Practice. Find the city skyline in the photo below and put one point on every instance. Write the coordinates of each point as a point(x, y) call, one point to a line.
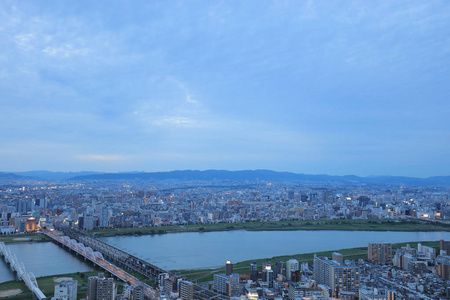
point(305, 87)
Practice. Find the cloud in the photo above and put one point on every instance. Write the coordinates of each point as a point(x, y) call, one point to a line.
point(189, 99)
point(177, 121)
point(101, 157)
point(293, 80)
point(65, 51)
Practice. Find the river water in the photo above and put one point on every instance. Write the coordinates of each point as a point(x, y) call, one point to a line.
point(209, 249)
point(43, 259)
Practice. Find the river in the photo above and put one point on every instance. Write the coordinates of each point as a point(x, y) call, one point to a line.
point(209, 249)
point(43, 259)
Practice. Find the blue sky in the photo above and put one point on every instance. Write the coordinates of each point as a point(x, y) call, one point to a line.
point(336, 87)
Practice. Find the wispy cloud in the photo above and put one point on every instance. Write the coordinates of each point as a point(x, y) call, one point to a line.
point(65, 51)
point(292, 81)
point(178, 121)
point(101, 157)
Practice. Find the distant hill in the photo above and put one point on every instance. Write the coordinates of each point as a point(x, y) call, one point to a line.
point(47, 175)
point(12, 177)
point(266, 175)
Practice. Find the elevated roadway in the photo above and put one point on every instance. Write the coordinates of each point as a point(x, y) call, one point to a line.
point(97, 258)
point(115, 261)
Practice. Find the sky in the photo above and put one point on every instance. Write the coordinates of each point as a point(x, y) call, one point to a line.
point(316, 87)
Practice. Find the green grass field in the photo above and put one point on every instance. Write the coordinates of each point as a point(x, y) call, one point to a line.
point(202, 275)
point(24, 238)
point(47, 285)
point(354, 225)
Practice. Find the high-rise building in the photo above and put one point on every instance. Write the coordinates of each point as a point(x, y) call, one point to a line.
point(233, 286)
point(328, 196)
point(278, 268)
point(220, 283)
point(291, 266)
point(170, 285)
point(101, 288)
point(445, 246)
point(380, 253)
point(391, 295)
point(186, 290)
point(338, 257)
point(66, 290)
point(337, 277)
point(270, 278)
point(137, 293)
point(105, 289)
point(227, 285)
point(161, 278)
point(253, 271)
point(268, 274)
point(228, 268)
point(428, 252)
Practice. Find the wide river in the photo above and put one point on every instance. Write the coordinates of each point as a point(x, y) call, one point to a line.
point(209, 249)
point(200, 250)
point(43, 259)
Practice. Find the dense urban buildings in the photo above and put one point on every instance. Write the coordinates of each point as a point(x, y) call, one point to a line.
point(387, 273)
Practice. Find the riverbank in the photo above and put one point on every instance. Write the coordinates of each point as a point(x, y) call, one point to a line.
point(353, 225)
point(24, 238)
point(203, 275)
point(18, 290)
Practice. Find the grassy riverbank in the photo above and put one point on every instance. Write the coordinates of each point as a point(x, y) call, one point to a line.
point(354, 225)
point(47, 285)
point(24, 238)
point(202, 275)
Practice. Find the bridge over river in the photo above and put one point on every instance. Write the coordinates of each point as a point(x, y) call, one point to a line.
point(115, 261)
point(19, 268)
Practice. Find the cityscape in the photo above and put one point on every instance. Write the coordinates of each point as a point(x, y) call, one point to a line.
point(224, 150)
point(78, 214)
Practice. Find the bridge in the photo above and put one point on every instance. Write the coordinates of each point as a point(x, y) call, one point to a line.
point(19, 268)
point(102, 253)
point(119, 257)
point(97, 258)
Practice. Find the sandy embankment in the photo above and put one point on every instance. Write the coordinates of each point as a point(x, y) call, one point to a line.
point(11, 292)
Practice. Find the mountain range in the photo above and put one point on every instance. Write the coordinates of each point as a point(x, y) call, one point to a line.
point(210, 175)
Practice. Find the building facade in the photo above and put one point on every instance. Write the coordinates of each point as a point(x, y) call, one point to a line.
point(380, 253)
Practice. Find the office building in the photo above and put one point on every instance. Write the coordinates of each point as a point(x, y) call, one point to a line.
point(253, 271)
point(278, 268)
point(291, 266)
point(380, 253)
